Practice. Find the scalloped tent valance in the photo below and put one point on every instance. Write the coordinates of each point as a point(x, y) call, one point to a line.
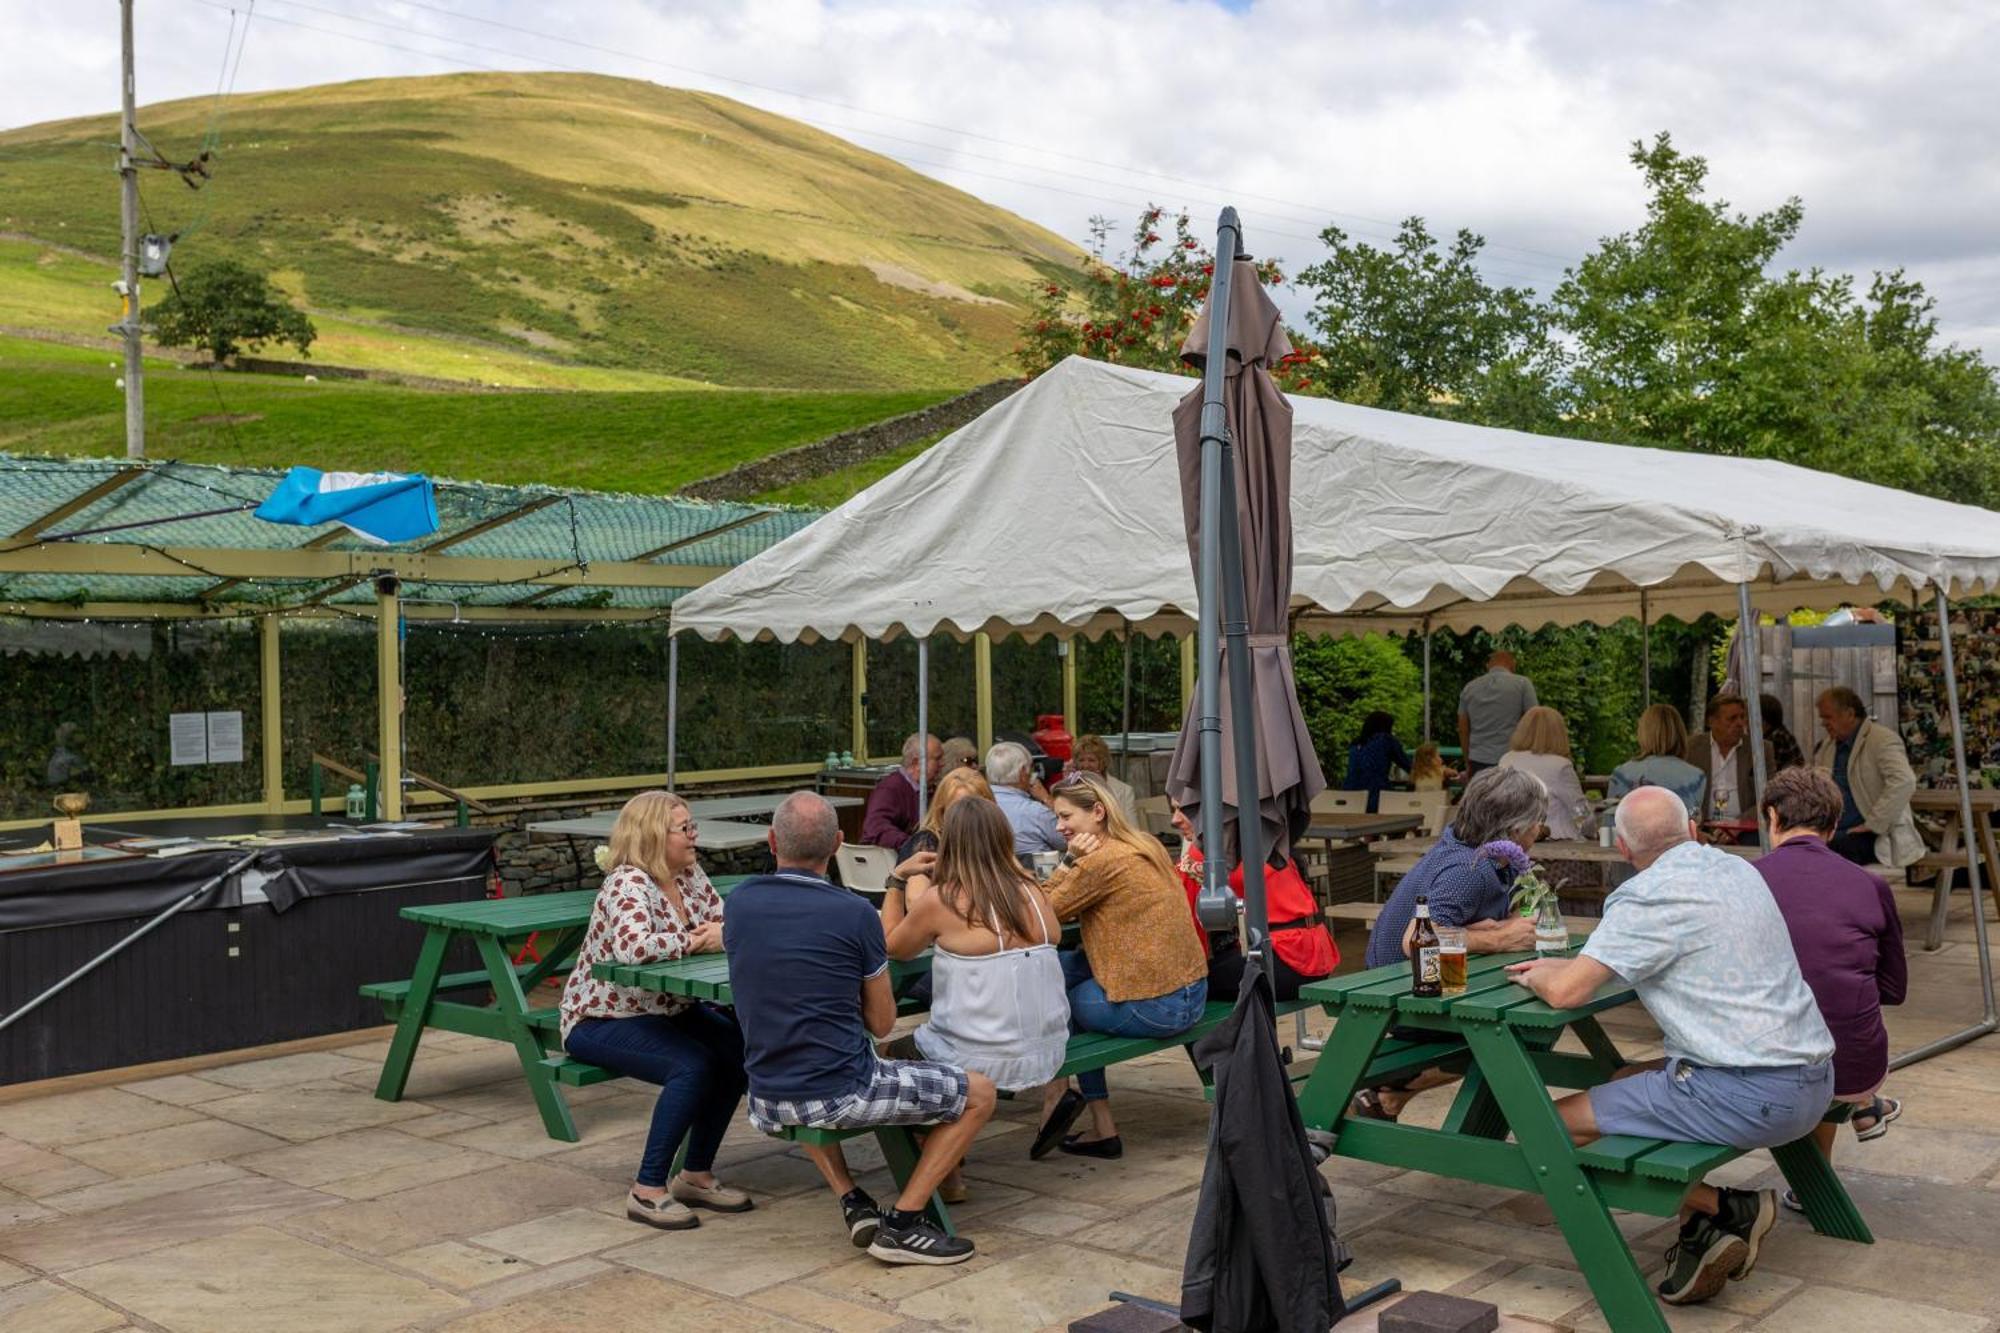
point(1058, 512)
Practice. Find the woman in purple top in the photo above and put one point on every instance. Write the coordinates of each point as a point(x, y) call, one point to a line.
point(1847, 935)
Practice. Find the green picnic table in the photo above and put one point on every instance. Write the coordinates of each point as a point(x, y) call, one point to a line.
point(498, 928)
point(1504, 1039)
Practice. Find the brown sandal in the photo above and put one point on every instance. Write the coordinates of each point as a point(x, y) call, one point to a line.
point(1367, 1105)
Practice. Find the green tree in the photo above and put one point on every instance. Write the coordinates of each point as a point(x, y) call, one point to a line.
point(227, 307)
point(1417, 328)
point(1342, 681)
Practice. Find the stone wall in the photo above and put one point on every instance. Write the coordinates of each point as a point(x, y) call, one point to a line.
point(835, 452)
point(554, 866)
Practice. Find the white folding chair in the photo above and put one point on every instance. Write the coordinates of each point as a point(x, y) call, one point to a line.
point(1340, 802)
point(1430, 804)
point(864, 866)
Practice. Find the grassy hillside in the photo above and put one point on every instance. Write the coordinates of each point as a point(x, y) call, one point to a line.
point(57, 399)
point(514, 221)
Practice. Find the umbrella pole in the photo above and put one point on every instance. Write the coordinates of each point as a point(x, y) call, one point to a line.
point(1750, 642)
point(1215, 906)
point(923, 728)
point(1975, 874)
point(673, 701)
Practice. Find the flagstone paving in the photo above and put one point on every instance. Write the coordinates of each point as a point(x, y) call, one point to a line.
point(278, 1193)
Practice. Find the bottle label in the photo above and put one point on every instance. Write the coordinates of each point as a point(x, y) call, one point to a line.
point(1428, 967)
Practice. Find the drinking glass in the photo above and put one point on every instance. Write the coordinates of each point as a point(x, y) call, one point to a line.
point(1451, 958)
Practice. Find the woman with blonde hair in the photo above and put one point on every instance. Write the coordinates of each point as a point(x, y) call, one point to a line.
point(1662, 761)
point(656, 905)
point(955, 785)
point(1540, 745)
point(1140, 973)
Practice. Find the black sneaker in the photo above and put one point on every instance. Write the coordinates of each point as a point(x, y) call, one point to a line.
point(1749, 1216)
point(1700, 1262)
point(918, 1241)
point(862, 1217)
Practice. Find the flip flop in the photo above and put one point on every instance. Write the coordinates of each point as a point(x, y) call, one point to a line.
point(1367, 1105)
point(1881, 1111)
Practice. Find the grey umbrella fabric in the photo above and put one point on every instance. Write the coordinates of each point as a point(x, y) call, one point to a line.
point(1260, 428)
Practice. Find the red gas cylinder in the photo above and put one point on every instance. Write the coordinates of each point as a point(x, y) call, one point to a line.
point(1052, 736)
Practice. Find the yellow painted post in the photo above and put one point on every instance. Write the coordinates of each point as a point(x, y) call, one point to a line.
point(389, 696)
point(982, 689)
point(860, 675)
point(1187, 673)
point(1071, 649)
point(273, 747)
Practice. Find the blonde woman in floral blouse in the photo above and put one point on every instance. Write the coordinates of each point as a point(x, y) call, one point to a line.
point(656, 905)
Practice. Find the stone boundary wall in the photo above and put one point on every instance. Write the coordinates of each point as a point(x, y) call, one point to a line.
point(835, 452)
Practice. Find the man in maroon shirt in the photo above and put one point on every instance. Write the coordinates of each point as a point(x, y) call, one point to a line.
point(891, 816)
point(1848, 938)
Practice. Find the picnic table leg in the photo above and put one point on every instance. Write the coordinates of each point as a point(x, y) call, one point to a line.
point(511, 1002)
point(1594, 1238)
point(1599, 1044)
point(554, 956)
point(1337, 1074)
point(1827, 1206)
point(1474, 1110)
point(901, 1149)
point(416, 1012)
point(1941, 896)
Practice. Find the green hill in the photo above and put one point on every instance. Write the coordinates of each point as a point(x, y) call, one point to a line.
point(499, 225)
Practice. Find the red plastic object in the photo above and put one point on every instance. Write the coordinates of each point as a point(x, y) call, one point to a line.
point(1052, 736)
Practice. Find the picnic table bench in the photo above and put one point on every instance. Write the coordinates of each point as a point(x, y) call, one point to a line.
point(707, 977)
point(543, 929)
point(1503, 1128)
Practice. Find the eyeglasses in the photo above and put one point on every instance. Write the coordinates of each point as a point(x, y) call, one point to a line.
point(685, 830)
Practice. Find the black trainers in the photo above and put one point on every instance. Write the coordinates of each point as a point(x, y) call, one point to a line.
point(862, 1217)
point(1700, 1262)
point(914, 1239)
point(1749, 1216)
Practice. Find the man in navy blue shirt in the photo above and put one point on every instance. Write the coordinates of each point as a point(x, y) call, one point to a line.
point(810, 974)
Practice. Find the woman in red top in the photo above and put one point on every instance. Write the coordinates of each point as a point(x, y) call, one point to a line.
point(1302, 948)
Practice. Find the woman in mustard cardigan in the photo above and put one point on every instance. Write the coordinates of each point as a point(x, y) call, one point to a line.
point(1140, 972)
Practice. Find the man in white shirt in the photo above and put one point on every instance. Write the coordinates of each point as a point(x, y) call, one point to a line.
point(1721, 755)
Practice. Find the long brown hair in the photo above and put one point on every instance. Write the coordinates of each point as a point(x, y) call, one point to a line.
point(639, 836)
point(953, 787)
point(1084, 791)
point(978, 873)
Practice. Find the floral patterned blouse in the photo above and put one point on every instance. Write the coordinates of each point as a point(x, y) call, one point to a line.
point(634, 922)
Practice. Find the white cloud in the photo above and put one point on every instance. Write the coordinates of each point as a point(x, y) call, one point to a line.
point(1513, 121)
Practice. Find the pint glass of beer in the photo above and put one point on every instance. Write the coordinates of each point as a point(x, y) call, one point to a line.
point(1451, 958)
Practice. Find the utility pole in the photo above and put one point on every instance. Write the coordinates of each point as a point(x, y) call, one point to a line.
point(128, 173)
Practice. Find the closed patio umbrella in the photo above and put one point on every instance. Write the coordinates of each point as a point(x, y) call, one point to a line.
point(1255, 536)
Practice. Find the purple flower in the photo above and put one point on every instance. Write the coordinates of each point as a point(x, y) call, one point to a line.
point(1506, 853)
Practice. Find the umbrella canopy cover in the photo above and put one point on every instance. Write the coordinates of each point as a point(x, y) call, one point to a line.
point(1260, 427)
point(1262, 1253)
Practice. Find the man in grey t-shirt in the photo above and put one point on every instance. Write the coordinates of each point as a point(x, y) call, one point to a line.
point(1488, 708)
point(1749, 1060)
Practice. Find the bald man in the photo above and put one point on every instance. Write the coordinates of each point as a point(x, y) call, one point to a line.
point(1748, 1058)
point(1489, 707)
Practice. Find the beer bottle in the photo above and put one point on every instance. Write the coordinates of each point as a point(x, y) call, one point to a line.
point(1426, 969)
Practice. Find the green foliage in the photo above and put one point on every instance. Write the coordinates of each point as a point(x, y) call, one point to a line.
point(1342, 681)
point(836, 488)
point(64, 401)
point(1417, 328)
point(227, 307)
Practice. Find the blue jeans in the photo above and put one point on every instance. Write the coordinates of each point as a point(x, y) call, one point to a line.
point(1090, 1010)
point(696, 1058)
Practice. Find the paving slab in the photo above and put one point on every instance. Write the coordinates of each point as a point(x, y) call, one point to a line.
point(1956, 1278)
point(451, 1209)
point(573, 1232)
point(738, 1253)
point(45, 1307)
point(257, 1279)
point(180, 1089)
point(78, 1117)
point(120, 1193)
point(359, 1152)
point(455, 1264)
point(287, 1071)
point(1535, 1291)
point(1043, 1285)
point(818, 1310)
point(312, 1110)
point(152, 1150)
point(625, 1302)
point(33, 1172)
point(60, 1244)
point(1817, 1309)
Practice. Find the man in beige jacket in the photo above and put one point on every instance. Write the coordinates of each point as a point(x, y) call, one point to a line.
point(1872, 769)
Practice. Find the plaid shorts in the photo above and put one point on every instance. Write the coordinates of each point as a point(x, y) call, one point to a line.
point(901, 1092)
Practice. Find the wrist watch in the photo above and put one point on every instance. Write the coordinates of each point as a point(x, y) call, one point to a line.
point(895, 882)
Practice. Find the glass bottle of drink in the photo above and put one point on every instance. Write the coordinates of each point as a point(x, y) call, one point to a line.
point(1551, 934)
point(1426, 968)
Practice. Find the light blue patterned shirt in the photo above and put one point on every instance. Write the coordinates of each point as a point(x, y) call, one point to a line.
point(1699, 936)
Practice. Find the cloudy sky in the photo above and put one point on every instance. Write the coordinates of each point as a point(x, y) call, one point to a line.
point(1513, 120)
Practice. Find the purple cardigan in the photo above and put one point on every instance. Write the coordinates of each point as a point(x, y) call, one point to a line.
point(891, 815)
point(1849, 942)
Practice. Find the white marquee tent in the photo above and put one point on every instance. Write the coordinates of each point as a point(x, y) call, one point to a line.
point(1059, 511)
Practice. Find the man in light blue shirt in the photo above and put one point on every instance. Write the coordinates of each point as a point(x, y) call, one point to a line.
point(1489, 708)
point(1010, 772)
point(1749, 1061)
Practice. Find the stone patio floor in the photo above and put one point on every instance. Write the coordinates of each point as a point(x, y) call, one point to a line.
point(277, 1193)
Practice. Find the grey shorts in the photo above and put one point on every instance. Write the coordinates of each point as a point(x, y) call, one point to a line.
point(901, 1092)
point(1743, 1108)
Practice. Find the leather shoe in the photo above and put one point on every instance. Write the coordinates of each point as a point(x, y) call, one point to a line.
point(1109, 1149)
point(1068, 1107)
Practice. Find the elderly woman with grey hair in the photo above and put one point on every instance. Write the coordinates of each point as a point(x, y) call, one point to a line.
point(1467, 879)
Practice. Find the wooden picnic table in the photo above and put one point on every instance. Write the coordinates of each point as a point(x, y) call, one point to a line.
point(1503, 1128)
point(521, 942)
point(1952, 852)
